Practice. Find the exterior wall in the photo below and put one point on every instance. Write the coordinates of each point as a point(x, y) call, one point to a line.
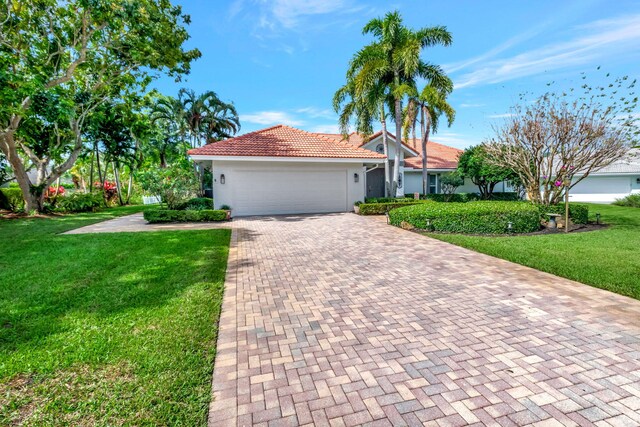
point(603, 189)
point(308, 187)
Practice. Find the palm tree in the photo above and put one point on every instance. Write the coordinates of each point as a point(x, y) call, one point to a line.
point(364, 111)
point(170, 114)
point(426, 108)
point(393, 60)
point(207, 117)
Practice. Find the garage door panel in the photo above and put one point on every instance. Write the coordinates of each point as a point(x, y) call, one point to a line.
point(290, 191)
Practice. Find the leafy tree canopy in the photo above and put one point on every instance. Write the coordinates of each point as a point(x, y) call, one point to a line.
point(474, 164)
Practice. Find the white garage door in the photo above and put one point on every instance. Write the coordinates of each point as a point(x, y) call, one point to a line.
point(289, 191)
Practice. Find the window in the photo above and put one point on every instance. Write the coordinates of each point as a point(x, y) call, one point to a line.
point(433, 183)
point(380, 148)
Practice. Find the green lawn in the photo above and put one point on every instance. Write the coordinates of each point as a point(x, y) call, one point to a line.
point(607, 258)
point(107, 329)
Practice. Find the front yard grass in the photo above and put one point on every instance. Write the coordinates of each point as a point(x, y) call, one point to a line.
point(107, 329)
point(606, 258)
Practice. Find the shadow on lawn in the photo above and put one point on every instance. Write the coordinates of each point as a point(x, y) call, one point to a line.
point(74, 278)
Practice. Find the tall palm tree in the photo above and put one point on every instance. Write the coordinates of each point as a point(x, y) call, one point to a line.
point(364, 111)
point(170, 114)
point(207, 117)
point(393, 60)
point(426, 108)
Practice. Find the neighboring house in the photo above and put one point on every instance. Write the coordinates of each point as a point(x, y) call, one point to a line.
point(615, 181)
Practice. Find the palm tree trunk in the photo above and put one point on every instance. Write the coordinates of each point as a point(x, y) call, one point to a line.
point(426, 127)
point(385, 145)
point(396, 164)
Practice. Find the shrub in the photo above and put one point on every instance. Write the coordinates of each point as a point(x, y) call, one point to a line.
point(408, 198)
point(482, 217)
point(506, 196)
point(456, 197)
point(11, 199)
point(632, 201)
point(80, 202)
point(578, 213)
point(383, 208)
point(166, 215)
point(175, 184)
point(196, 204)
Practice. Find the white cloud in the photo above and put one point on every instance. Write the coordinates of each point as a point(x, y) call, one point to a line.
point(328, 128)
point(453, 140)
point(591, 43)
point(500, 116)
point(315, 112)
point(471, 105)
point(291, 14)
point(271, 118)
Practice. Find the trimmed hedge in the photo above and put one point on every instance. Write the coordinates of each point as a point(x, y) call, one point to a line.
point(196, 204)
point(578, 213)
point(11, 199)
point(154, 216)
point(383, 208)
point(468, 197)
point(482, 217)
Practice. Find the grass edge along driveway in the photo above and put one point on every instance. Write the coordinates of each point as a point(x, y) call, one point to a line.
point(606, 259)
point(107, 329)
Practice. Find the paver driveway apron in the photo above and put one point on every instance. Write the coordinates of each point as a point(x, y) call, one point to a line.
point(343, 320)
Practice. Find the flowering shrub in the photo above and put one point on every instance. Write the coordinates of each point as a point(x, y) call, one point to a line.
point(109, 189)
point(54, 192)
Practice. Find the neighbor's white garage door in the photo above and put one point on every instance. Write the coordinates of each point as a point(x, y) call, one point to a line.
point(290, 191)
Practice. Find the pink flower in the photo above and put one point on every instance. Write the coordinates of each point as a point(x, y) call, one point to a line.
point(558, 183)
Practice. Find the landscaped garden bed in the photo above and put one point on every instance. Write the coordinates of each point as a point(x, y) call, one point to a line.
point(154, 216)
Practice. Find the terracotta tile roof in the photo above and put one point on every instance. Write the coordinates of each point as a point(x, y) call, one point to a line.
point(285, 141)
point(438, 156)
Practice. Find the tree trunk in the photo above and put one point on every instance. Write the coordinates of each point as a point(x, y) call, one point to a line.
point(426, 128)
point(98, 166)
point(385, 145)
point(116, 175)
point(396, 190)
point(93, 155)
point(130, 185)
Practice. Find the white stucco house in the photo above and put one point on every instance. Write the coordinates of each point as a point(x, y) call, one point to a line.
point(610, 183)
point(284, 170)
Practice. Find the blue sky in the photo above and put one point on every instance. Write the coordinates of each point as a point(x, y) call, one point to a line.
point(280, 61)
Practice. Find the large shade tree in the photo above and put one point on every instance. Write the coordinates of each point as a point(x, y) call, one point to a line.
point(60, 60)
point(394, 60)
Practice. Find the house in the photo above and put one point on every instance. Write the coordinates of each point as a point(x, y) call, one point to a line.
point(612, 182)
point(284, 170)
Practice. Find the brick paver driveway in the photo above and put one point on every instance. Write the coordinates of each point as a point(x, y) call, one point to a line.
point(343, 320)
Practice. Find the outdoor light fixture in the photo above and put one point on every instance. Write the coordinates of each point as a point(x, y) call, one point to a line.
point(597, 218)
point(510, 226)
point(356, 177)
point(222, 179)
point(638, 181)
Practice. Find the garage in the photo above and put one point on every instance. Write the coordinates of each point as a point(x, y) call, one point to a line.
point(283, 170)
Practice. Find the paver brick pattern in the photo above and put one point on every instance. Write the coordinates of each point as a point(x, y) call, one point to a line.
point(341, 320)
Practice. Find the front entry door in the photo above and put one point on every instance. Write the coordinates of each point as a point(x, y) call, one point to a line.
point(375, 183)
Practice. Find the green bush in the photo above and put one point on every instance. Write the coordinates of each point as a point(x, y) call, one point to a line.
point(195, 204)
point(506, 197)
point(455, 197)
point(632, 201)
point(408, 198)
point(482, 217)
point(79, 202)
point(11, 199)
point(383, 208)
point(578, 213)
point(166, 215)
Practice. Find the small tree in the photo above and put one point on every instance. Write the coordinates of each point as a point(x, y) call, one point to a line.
point(561, 138)
point(174, 184)
point(474, 164)
point(450, 182)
